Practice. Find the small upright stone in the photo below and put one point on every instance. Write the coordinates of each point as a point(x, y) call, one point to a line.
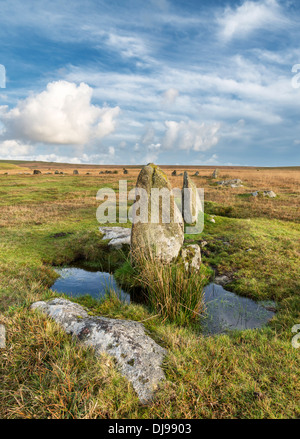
point(75, 172)
point(215, 173)
point(174, 173)
point(191, 257)
point(36, 172)
point(159, 234)
point(196, 174)
point(191, 203)
point(125, 171)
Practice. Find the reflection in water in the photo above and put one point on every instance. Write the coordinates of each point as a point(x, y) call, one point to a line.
point(226, 310)
point(78, 282)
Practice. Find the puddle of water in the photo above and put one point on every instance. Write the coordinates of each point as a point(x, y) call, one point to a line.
point(226, 311)
point(78, 282)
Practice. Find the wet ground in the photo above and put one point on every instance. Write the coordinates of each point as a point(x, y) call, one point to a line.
point(224, 309)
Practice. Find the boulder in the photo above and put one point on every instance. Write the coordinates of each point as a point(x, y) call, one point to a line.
point(174, 173)
point(162, 239)
point(191, 257)
point(191, 202)
point(137, 355)
point(125, 171)
point(75, 172)
point(221, 280)
point(269, 194)
point(117, 235)
point(36, 172)
point(236, 182)
point(56, 172)
point(196, 174)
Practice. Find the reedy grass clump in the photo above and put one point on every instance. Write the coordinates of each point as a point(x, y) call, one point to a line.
point(171, 291)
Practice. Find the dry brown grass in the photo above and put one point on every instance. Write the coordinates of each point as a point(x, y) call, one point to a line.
point(285, 182)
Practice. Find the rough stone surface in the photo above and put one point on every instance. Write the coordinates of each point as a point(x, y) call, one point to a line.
point(269, 194)
point(137, 355)
point(36, 171)
point(236, 182)
point(221, 280)
point(191, 256)
point(163, 239)
point(174, 173)
point(196, 174)
point(117, 235)
point(75, 172)
point(2, 337)
point(191, 202)
point(215, 173)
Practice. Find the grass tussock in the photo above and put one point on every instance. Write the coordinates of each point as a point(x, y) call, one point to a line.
point(171, 291)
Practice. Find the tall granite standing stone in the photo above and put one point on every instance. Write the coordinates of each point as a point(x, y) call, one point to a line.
point(215, 173)
point(191, 202)
point(161, 235)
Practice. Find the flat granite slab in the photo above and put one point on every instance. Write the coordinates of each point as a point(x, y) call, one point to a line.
point(138, 356)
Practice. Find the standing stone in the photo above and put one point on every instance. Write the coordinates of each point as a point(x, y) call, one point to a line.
point(191, 203)
point(164, 238)
point(125, 171)
point(196, 174)
point(215, 173)
point(75, 172)
point(174, 173)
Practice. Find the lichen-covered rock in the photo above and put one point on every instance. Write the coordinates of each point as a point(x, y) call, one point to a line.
point(236, 182)
point(137, 355)
point(162, 239)
point(269, 194)
point(191, 202)
point(117, 235)
point(215, 173)
point(191, 257)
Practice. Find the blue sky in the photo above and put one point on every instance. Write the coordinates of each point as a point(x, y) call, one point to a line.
point(168, 81)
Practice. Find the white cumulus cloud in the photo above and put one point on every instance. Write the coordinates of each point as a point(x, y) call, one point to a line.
point(61, 114)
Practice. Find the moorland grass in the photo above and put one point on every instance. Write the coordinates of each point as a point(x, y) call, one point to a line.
point(243, 374)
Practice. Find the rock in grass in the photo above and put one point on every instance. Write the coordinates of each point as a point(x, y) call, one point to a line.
point(191, 257)
point(269, 194)
point(75, 172)
point(215, 174)
point(236, 182)
point(36, 172)
point(2, 337)
point(117, 235)
point(138, 356)
point(163, 238)
point(191, 202)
